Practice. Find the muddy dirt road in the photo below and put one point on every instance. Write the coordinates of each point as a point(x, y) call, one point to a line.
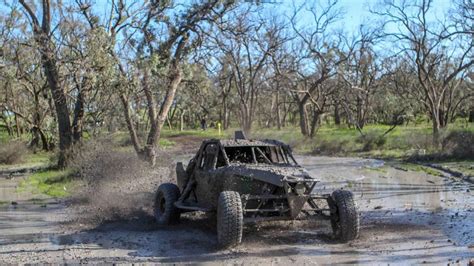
point(406, 217)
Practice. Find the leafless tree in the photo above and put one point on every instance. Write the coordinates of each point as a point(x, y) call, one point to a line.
point(321, 50)
point(439, 52)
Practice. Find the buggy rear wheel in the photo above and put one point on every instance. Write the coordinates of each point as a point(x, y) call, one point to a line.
point(345, 222)
point(165, 211)
point(229, 219)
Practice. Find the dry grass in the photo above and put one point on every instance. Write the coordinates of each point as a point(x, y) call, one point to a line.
point(12, 152)
point(459, 144)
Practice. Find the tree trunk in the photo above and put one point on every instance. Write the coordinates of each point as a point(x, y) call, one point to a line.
point(155, 130)
point(17, 125)
point(60, 103)
point(181, 118)
point(44, 140)
point(42, 34)
point(278, 114)
point(303, 119)
point(130, 126)
point(436, 133)
point(337, 116)
point(314, 122)
point(77, 123)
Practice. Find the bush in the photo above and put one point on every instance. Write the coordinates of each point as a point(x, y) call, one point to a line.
point(333, 147)
point(459, 144)
point(12, 152)
point(371, 141)
point(418, 140)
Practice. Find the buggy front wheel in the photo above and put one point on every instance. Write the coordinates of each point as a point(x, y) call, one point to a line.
point(345, 221)
point(229, 219)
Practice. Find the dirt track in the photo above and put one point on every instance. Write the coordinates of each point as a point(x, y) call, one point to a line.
point(407, 217)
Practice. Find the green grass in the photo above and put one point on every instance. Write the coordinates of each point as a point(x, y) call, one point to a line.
point(419, 168)
point(382, 170)
point(402, 142)
point(54, 183)
point(466, 167)
point(166, 143)
point(209, 133)
point(4, 136)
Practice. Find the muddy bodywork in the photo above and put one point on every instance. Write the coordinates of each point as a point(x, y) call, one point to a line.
point(264, 172)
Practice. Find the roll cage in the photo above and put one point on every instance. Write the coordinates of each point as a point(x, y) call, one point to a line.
point(213, 154)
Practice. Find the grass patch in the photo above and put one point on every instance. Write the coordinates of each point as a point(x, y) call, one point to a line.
point(465, 167)
point(54, 183)
point(382, 170)
point(209, 133)
point(419, 168)
point(2, 202)
point(403, 142)
point(166, 143)
point(31, 160)
point(4, 137)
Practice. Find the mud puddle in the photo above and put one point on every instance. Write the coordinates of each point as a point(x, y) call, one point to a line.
point(407, 217)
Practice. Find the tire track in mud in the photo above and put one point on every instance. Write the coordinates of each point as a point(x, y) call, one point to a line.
point(406, 217)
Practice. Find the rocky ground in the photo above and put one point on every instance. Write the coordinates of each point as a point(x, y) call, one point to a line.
point(407, 217)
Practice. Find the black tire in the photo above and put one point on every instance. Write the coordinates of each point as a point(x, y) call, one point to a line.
point(345, 222)
point(165, 211)
point(230, 219)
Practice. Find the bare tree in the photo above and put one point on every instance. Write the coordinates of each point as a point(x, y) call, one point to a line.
point(440, 53)
point(360, 73)
point(321, 52)
point(248, 45)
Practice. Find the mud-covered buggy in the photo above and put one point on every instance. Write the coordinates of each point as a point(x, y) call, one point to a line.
point(250, 181)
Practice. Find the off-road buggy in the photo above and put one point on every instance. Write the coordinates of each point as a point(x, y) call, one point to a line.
point(249, 181)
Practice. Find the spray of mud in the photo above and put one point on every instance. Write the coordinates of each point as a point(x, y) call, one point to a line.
point(116, 185)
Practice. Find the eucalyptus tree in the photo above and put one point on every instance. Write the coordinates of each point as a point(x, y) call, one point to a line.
point(321, 52)
point(160, 36)
point(440, 52)
point(361, 75)
point(40, 19)
point(246, 42)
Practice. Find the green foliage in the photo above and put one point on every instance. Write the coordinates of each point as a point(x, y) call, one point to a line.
point(3, 136)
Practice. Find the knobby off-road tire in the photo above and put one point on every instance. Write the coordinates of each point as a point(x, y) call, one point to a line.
point(345, 223)
point(229, 219)
point(165, 211)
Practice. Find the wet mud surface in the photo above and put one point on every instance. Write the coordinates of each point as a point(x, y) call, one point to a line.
point(406, 217)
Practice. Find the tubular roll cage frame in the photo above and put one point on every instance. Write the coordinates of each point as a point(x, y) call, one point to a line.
point(285, 212)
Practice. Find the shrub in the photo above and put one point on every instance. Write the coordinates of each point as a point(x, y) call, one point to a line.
point(459, 144)
point(332, 147)
point(371, 141)
point(12, 152)
point(419, 141)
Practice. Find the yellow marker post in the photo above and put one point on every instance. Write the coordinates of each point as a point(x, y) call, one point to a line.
point(219, 127)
